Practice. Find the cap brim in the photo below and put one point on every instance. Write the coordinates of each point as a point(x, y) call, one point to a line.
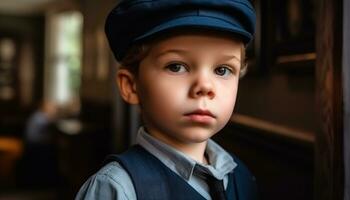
point(205, 22)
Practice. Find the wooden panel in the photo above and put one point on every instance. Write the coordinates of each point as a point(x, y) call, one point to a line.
point(329, 145)
point(346, 84)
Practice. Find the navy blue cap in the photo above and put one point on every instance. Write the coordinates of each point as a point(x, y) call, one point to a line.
point(132, 21)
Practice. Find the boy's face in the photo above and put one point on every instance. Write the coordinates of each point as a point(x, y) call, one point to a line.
point(187, 86)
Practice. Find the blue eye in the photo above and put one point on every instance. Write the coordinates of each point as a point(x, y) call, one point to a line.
point(176, 67)
point(223, 71)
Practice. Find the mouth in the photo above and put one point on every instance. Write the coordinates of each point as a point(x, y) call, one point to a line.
point(201, 113)
point(200, 116)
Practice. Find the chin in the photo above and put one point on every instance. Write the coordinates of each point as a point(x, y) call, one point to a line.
point(198, 135)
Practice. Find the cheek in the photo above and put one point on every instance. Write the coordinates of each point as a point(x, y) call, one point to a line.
point(227, 98)
point(163, 95)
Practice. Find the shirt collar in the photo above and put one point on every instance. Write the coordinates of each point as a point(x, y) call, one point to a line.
point(221, 163)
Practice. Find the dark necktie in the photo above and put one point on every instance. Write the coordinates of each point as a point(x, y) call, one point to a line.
point(216, 187)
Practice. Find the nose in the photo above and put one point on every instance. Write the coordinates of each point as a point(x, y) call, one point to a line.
point(203, 86)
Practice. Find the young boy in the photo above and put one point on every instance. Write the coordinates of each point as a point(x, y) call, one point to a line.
point(180, 62)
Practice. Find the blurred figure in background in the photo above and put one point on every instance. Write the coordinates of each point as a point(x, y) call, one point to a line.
point(38, 126)
point(38, 166)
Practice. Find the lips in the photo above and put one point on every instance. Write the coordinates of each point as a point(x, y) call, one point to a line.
point(200, 116)
point(201, 113)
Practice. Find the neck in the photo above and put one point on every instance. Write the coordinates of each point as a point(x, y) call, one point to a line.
point(193, 150)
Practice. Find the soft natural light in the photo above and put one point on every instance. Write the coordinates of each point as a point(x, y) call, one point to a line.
point(65, 57)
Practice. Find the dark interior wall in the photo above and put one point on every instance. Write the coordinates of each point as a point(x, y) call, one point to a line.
point(29, 29)
point(96, 75)
point(280, 84)
point(25, 74)
point(96, 86)
point(97, 64)
point(99, 96)
point(24, 30)
point(282, 98)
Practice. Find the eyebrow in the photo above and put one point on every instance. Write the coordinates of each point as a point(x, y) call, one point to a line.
point(225, 57)
point(178, 51)
point(230, 57)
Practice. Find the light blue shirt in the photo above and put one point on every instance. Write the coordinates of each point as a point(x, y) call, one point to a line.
point(113, 182)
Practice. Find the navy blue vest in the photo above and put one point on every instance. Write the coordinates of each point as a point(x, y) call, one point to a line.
point(155, 181)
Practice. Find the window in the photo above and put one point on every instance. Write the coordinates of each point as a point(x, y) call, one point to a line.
point(63, 64)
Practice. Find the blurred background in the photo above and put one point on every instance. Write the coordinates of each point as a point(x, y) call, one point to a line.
point(60, 112)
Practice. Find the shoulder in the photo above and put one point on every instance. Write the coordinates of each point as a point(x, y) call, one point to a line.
point(246, 181)
point(110, 182)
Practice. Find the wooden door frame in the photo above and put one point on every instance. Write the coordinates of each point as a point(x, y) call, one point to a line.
point(346, 82)
point(329, 151)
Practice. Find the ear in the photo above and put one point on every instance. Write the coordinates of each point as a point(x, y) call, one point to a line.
point(127, 86)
